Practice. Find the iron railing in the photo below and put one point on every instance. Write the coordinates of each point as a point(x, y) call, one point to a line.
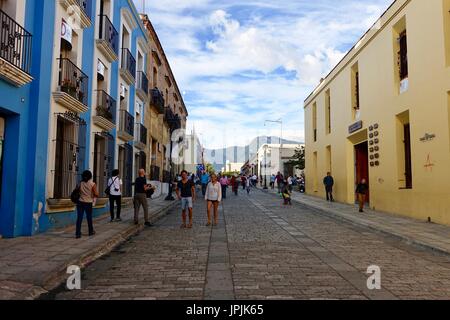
point(109, 33)
point(73, 81)
point(67, 168)
point(126, 122)
point(106, 106)
point(154, 173)
point(158, 100)
point(141, 134)
point(142, 82)
point(172, 119)
point(15, 43)
point(128, 62)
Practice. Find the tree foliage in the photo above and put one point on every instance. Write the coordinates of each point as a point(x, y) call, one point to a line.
point(298, 159)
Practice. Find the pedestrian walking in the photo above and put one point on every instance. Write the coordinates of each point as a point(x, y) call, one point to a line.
point(243, 180)
point(115, 195)
point(279, 181)
point(186, 193)
point(328, 181)
point(235, 185)
point(272, 181)
point(140, 197)
point(248, 185)
point(88, 197)
point(290, 183)
point(361, 191)
point(286, 194)
point(205, 180)
point(213, 197)
point(224, 184)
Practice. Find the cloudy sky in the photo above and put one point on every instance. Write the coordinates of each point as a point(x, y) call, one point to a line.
point(240, 63)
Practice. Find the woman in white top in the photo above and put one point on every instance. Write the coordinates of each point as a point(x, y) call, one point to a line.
point(115, 194)
point(213, 196)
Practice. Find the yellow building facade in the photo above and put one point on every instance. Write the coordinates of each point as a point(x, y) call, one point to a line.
point(383, 114)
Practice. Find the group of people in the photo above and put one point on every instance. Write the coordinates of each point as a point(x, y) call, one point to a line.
point(186, 193)
point(88, 195)
point(361, 191)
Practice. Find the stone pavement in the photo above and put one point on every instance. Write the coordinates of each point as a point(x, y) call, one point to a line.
point(31, 266)
point(428, 235)
point(262, 250)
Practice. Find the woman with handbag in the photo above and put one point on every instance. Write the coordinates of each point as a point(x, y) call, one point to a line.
point(114, 192)
point(88, 195)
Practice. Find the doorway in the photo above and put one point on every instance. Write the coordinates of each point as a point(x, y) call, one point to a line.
point(362, 165)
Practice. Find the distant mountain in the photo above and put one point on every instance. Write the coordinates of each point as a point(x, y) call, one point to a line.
point(238, 154)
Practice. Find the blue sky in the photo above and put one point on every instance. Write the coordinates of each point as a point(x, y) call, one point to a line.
point(240, 63)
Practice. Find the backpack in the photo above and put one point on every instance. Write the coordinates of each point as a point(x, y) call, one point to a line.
point(76, 194)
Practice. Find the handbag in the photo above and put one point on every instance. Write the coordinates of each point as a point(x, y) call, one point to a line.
point(150, 192)
point(108, 190)
point(76, 194)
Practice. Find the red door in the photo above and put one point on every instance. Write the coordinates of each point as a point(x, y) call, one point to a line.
point(362, 164)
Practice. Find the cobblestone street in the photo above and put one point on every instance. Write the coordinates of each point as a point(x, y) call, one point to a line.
point(262, 250)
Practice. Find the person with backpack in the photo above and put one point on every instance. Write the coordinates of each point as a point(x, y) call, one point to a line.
point(114, 192)
point(286, 194)
point(88, 194)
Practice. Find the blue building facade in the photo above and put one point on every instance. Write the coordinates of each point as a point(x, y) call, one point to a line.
point(73, 92)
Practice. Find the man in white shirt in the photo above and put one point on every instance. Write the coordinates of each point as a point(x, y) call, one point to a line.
point(290, 183)
point(115, 195)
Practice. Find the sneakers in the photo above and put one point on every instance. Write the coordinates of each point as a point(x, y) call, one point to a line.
point(118, 220)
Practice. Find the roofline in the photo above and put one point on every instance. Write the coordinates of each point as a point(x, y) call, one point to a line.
point(151, 29)
point(352, 52)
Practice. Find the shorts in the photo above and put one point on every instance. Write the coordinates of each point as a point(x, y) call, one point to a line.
point(186, 203)
point(214, 201)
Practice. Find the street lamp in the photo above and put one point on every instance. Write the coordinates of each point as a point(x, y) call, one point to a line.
point(265, 167)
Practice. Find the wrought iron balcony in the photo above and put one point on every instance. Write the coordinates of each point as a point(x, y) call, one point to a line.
point(172, 119)
point(105, 111)
point(15, 49)
point(73, 83)
point(126, 125)
point(128, 66)
point(108, 38)
point(158, 100)
point(142, 85)
point(140, 136)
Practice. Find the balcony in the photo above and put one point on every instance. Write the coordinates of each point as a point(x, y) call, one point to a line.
point(142, 86)
point(15, 52)
point(105, 116)
point(126, 126)
point(140, 141)
point(128, 67)
point(155, 173)
point(108, 40)
point(172, 119)
point(157, 100)
point(72, 91)
point(80, 11)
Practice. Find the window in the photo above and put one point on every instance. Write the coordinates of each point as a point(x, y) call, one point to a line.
point(401, 53)
point(328, 159)
point(404, 151)
point(314, 120)
point(155, 78)
point(69, 155)
point(355, 92)
point(315, 173)
point(328, 111)
point(104, 146)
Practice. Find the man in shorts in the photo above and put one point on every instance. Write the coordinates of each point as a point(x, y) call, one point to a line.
point(186, 193)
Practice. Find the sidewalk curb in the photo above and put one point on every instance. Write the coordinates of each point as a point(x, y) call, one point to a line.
point(332, 213)
point(58, 276)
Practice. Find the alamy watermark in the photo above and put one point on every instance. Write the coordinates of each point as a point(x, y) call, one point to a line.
point(74, 280)
point(374, 280)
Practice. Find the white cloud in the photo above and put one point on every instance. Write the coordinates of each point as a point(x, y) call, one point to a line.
point(225, 54)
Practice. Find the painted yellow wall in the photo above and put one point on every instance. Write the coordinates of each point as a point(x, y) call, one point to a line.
point(427, 100)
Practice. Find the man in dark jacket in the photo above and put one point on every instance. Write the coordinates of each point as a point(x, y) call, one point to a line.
point(328, 181)
point(361, 191)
